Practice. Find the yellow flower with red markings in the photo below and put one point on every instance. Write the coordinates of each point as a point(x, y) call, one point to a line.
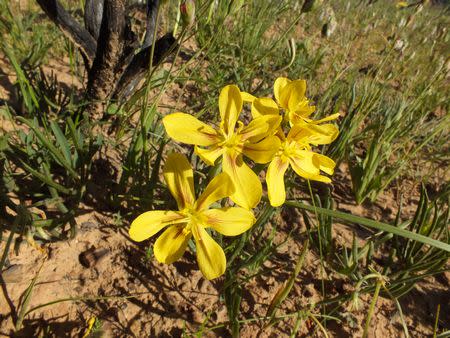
point(295, 151)
point(291, 97)
point(231, 140)
point(192, 219)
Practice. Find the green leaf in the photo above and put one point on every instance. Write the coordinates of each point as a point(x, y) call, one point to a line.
point(25, 87)
point(45, 179)
point(62, 140)
point(50, 147)
point(372, 224)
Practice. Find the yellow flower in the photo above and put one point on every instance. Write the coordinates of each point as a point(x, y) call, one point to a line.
point(295, 150)
point(231, 140)
point(192, 218)
point(401, 4)
point(290, 96)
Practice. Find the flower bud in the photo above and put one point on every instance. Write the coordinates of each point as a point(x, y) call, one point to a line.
point(187, 9)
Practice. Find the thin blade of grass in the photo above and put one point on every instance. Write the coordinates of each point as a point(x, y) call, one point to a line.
point(284, 292)
point(27, 299)
point(372, 224)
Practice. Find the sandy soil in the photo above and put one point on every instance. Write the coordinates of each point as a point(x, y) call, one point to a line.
point(134, 296)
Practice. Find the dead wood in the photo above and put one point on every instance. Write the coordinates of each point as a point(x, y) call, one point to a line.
point(137, 68)
point(111, 43)
point(70, 27)
point(93, 13)
point(152, 11)
point(109, 46)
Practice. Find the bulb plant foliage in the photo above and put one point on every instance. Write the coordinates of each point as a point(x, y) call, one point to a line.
point(280, 134)
point(386, 68)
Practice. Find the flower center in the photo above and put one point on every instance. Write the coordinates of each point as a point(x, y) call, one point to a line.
point(192, 217)
point(287, 149)
point(233, 140)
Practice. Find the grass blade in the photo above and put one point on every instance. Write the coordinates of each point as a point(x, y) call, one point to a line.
point(372, 224)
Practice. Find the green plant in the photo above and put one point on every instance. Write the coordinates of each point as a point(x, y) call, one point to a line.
point(384, 70)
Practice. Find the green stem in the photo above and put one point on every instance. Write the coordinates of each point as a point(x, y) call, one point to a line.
point(372, 308)
point(322, 268)
point(8, 242)
point(436, 321)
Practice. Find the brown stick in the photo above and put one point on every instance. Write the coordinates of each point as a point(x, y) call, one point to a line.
point(152, 11)
point(139, 65)
point(70, 27)
point(93, 12)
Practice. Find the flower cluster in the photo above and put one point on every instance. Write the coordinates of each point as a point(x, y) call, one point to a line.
point(263, 140)
point(280, 134)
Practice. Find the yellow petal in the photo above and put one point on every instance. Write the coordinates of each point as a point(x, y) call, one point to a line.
point(325, 119)
point(220, 187)
point(230, 106)
point(322, 134)
point(326, 164)
point(210, 256)
point(315, 134)
point(307, 165)
point(306, 161)
point(151, 222)
point(278, 88)
point(180, 179)
point(301, 112)
point(171, 245)
point(264, 106)
point(247, 97)
point(210, 155)
point(260, 127)
point(299, 132)
point(188, 129)
point(296, 91)
point(263, 151)
point(229, 221)
point(280, 134)
point(248, 189)
point(275, 181)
